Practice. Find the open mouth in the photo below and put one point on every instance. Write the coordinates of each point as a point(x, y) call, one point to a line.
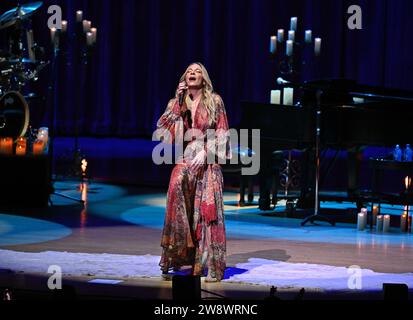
point(192, 78)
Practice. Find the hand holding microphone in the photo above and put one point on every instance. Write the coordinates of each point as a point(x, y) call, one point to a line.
point(182, 88)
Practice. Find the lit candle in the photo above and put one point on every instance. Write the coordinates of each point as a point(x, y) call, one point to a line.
point(288, 96)
point(64, 26)
point(275, 96)
point(403, 222)
point(289, 48)
point(291, 35)
point(375, 213)
point(365, 215)
point(89, 39)
point(386, 223)
point(21, 146)
point(86, 26)
point(379, 223)
point(94, 33)
point(280, 35)
point(407, 182)
point(79, 16)
point(273, 44)
point(53, 36)
point(308, 36)
point(360, 222)
point(293, 23)
point(6, 146)
point(38, 147)
point(317, 46)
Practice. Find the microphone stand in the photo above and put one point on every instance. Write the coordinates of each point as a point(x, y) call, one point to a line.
point(319, 92)
point(316, 216)
point(54, 102)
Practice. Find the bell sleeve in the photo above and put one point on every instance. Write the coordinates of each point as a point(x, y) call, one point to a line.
point(170, 127)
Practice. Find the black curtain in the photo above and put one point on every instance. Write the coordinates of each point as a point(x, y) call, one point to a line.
point(144, 46)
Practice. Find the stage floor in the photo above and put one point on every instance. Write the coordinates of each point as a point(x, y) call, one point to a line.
point(125, 224)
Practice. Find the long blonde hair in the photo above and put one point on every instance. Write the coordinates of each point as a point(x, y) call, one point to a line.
point(207, 92)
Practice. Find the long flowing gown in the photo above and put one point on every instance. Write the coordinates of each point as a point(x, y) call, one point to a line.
point(194, 229)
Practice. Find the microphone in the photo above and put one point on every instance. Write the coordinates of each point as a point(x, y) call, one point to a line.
point(181, 97)
point(282, 82)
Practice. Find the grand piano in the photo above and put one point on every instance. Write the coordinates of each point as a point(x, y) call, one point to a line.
point(381, 117)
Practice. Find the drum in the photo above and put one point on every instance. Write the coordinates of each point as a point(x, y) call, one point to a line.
point(14, 115)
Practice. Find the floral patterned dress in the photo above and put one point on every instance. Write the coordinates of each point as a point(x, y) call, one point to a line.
point(194, 230)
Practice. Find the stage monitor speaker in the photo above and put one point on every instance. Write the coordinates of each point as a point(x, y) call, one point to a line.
point(395, 291)
point(187, 288)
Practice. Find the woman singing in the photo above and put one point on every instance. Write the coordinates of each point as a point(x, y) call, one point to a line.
point(194, 230)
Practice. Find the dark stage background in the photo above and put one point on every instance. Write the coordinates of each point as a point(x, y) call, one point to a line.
point(144, 46)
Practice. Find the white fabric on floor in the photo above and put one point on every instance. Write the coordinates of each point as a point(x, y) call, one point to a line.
point(256, 271)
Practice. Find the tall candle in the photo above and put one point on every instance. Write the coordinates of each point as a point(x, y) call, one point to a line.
point(360, 222)
point(54, 36)
point(64, 26)
point(275, 96)
point(6, 146)
point(79, 16)
point(288, 96)
point(375, 213)
point(280, 35)
point(291, 35)
point(379, 223)
point(317, 46)
point(308, 36)
point(386, 223)
point(293, 23)
point(403, 222)
point(273, 44)
point(289, 48)
point(86, 26)
point(89, 39)
point(94, 33)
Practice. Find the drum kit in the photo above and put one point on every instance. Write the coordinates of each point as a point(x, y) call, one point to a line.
point(20, 63)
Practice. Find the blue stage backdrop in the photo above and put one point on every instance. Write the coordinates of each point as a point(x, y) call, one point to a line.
point(144, 46)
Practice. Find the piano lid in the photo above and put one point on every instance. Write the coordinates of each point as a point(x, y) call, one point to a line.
point(342, 92)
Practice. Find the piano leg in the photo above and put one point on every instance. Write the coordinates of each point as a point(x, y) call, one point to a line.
point(306, 199)
point(353, 166)
point(265, 181)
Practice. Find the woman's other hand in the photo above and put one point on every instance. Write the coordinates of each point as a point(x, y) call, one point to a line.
point(199, 161)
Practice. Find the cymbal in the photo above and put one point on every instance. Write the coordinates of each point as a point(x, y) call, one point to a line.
point(22, 12)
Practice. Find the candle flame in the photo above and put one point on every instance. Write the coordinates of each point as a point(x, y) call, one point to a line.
point(407, 182)
point(84, 166)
